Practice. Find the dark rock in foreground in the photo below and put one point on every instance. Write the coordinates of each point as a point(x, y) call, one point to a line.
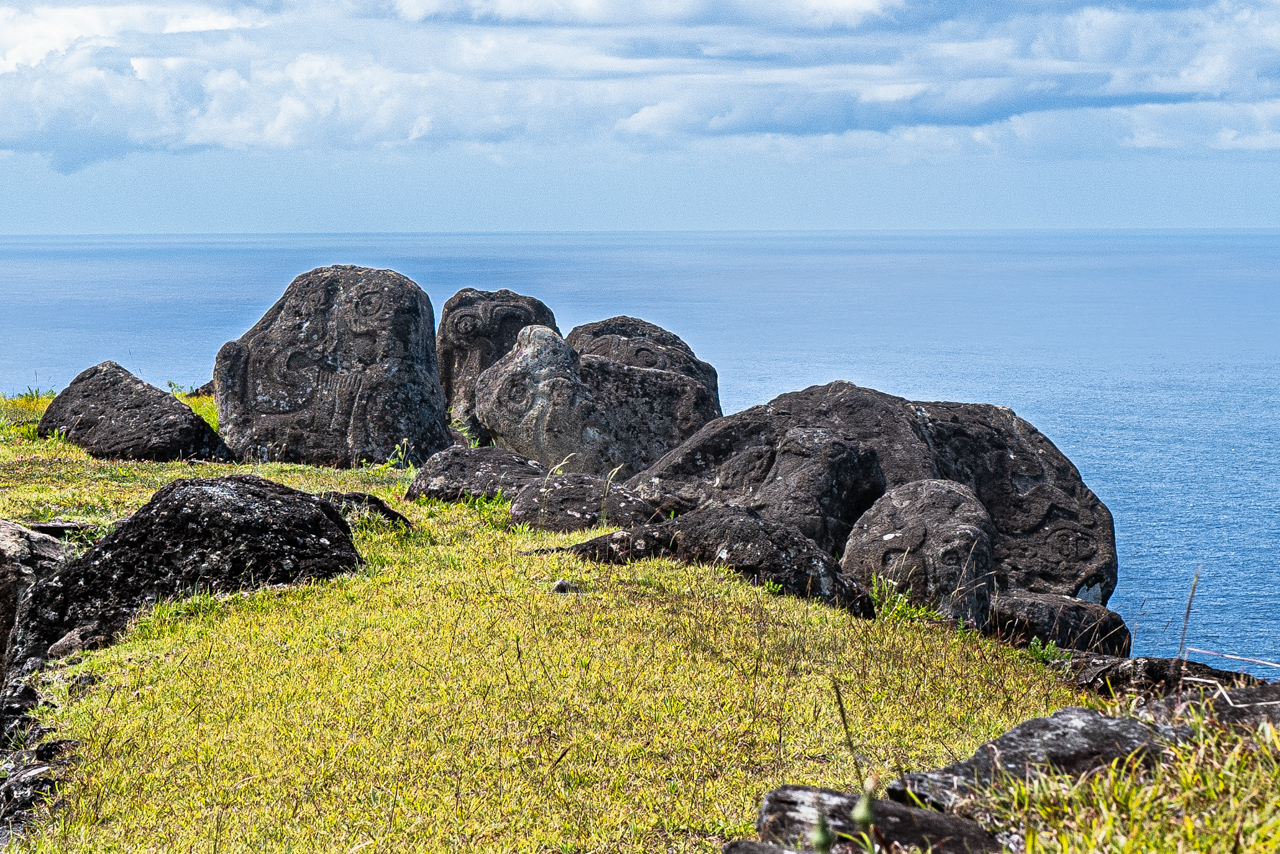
point(1073, 741)
point(364, 502)
point(576, 502)
point(635, 342)
point(763, 551)
point(458, 472)
point(1113, 676)
point(25, 557)
point(1052, 534)
point(198, 535)
point(341, 370)
point(1240, 708)
point(477, 328)
point(1019, 617)
point(114, 415)
point(586, 414)
point(932, 540)
point(789, 815)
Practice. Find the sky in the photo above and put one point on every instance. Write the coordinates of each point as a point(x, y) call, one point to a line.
point(512, 115)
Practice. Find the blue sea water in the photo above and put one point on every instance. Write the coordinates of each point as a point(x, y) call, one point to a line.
point(1151, 359)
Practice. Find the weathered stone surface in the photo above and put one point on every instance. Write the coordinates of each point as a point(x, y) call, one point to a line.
point(761, 550)
point(30, 778)
point(640, 344)
point(114, 415)
point(477, 328)
point(1113, 676)
point(748, 846)
point(574, 502)
point(341, 370)
point(458, 472)
point(932, 540)
point(205, 390)
point(348, 502)
point(789, 815)
point(586, 414)
point(1073, 741)
point(25, 557)
point(202, 534)
point(1052, 534)
point(1240, 708)
point(1018, 617)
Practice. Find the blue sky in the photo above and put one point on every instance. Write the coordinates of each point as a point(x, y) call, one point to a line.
point(410, 115)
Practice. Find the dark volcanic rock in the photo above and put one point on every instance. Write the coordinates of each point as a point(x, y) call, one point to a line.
point(932, 540)
point(1072, 741)
point(459, 471)
point(1241, 708)
point(761, 550)
point(371, 504)
point(586, 414)
point(341, 370)
point(203, 534)
point(1018, 617)
point(477, 328)
point(30, 778)
point(114, 415)
point(205, 390)
point(1052, 534)
point(25, 557)
point(635, 342)
point(1113, 676)
point(789, 815)
point(574, 502)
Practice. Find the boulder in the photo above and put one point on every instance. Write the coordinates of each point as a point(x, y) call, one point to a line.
point(789, 816)
point(1238, 708)
point(459, 472)
point(25, 557)
point(477, 328)
point(363, 502)
point(634, 342)
point(576, 502)
point(1019, 617)
point(931, 539)
point(765, 552)
point(586, 414)
point(340, 371)
point(114, 415)
point(1051, 534)
point(1114, 676)
point(197, 535)
point(1071, 741)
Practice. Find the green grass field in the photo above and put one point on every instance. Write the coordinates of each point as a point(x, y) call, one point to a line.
point(443, 699)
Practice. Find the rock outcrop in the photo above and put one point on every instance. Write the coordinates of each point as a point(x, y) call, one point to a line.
point(1238, 708)
point(764, 552)
point(1020, 617)
point(576, 502)
point(341, 370)
point(931, 539)
point(1114, 676)
point(202, 534)
point(25, 557)
point(477, 328)
point(586, 414)
point(114, 415)
point(459, 472)
point(640, 344)
point(1051, 534)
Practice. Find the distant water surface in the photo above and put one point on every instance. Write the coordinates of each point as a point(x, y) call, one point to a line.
point(1151, 359)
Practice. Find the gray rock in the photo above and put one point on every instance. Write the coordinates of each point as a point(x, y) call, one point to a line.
point(341, 370)
point(1019, 617)
point(574, 502)
point(764, 552)
point(932, 540)
point(1238, 708)
point(25, 557)
point(114, 415)
point(197, 535)
point(30, 779)
point(1071, 741)
point(789, 815)
point(477, 328)
point(586, 414)
point(459, 472)
point(640, 344)
point(748, 846)
point(1113, 676)
point(1052, 534)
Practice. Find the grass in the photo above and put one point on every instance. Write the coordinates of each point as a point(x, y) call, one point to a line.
point(442, 699)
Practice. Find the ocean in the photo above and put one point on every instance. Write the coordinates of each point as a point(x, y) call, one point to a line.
point(1152, 359)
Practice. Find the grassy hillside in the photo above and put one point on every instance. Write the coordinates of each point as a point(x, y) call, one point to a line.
point(443, 699)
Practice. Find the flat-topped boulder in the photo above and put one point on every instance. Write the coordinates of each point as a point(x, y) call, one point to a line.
point(576, 502)
point(477, 328)
point(586, 414)
point(1020, 617)
point(641, 344)
point(340, 371)
point(114, 415)
point(1051, 533)
point(460, 472)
